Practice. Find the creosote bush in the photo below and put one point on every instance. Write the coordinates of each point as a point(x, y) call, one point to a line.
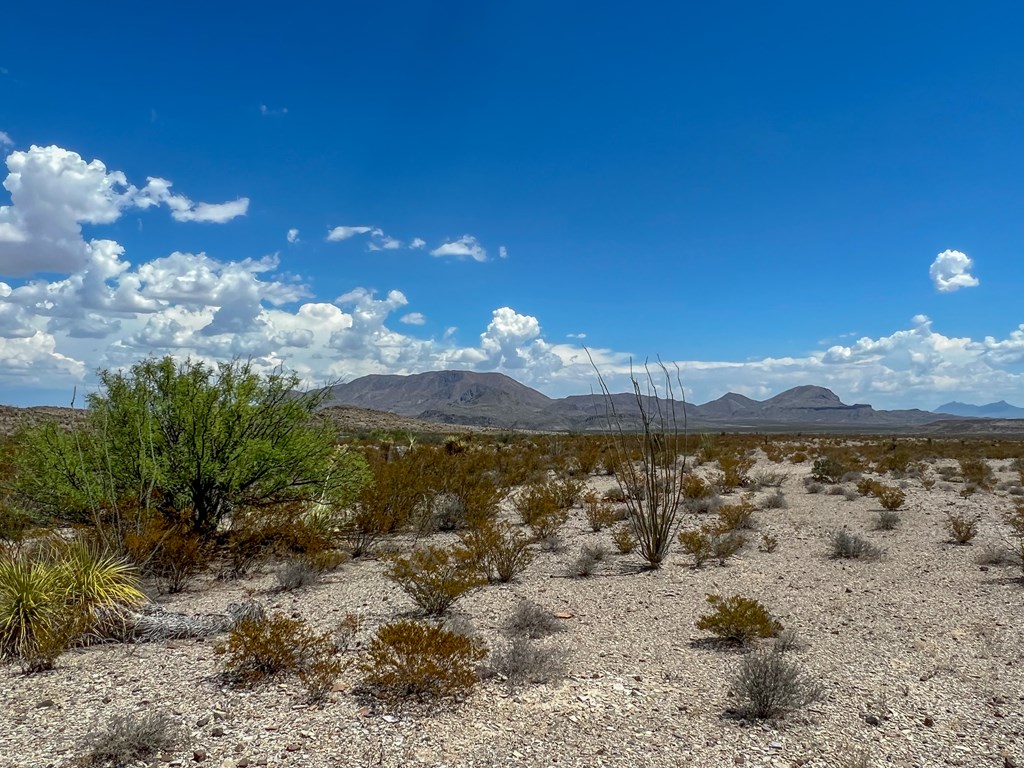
point(890, 496)
point(711, 542)
point(738, 619)
point(421, 660)
point(600, 514)
point(131, 738)
point(624, 540)
point(435, 578)
point(738, 516)
point(767, 685)
point(849, 546)
point(259, 649)
point(962, 528)
point(498, 550)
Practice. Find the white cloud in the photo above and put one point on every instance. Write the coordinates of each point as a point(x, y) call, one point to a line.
point(502, 252)
point(344, 233)
point(575, 335)
point(413, 318)
point(54, 192)
point(417, 243)
point(268, 112)
point(382, 242)
point(951, 271)
point(466, 247)
point(6, 140)
point(293, 235)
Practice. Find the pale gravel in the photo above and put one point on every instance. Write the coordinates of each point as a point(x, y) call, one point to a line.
point(922, 633)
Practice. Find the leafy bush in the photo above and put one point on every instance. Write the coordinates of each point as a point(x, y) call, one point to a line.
point(711, 542)
point(414, 658)
point(827, 469)
point(890, 497)
point(695, 487)
point(813, 486)
point(738, 516)
point(624, 540)
point(599, 513)
point(769, 685)
point(192, 442)
point(733, 472)
point(962, 528)
point(738, 619)
point(768, 543)
point(525, 661)
point(50, 596)
point(976, 471)
point(531, 620)
point(868, 486)
point(259, 649)
point(435, 578)
point(132, 738)
point(498, 550)
point(171, 554)
point(850, 546)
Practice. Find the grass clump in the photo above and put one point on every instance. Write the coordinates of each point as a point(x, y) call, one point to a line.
point(888, 520)
point(738, 619)
point(417, 659)
point(435, 578)
point(532, 620)
point(849, 546)
point(585, 564)
point(775, 500)
point(131, 738)
point(769, 685)
point(526, 661)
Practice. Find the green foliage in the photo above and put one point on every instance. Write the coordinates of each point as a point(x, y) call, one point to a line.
point(193, 442)
point(827, 469)
point(976, 471)
point(733, 471)
point(600, 513)
point(435, 578)
point(418, 659)
point(50, 596)
point(623, 539)
point(260, 649)
point(738, 619)
point(738, 516)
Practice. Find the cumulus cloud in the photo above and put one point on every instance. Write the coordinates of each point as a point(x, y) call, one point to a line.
point(382, 242)
point(269, 112)
point(502, 252)
point(413, 318)
point(466, 247)
point(293, 235)
point(344, 233)
point(54, 192)
point(417, 243)
point(951, 271)
point(6, 140)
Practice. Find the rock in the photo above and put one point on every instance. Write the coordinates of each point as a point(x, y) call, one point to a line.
point(928, 721)
point(199, 755)
point(203, 721)
point(872, 719)
point(293, 747)
point(44, 703)
point(217, 731)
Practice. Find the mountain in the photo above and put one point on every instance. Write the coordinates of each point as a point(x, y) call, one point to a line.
point(1000, 410)
point(495, 400)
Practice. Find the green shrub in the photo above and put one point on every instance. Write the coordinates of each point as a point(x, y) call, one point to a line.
point(259, 649)
point(827, 469)
point(435, 578)
point(976, 471)
point(413, 658)
point(738, 619)
point(738, 516)
point(710, 542)
point(624, 540)
point(599, 513)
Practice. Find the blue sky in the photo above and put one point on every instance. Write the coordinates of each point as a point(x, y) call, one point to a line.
point(769, 195)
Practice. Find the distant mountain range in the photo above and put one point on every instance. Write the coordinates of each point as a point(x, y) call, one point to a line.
point(495, 400)
point(1000, 410)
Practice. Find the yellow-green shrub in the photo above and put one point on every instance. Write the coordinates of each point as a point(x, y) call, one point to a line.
point(435, 578)
point(738, 619)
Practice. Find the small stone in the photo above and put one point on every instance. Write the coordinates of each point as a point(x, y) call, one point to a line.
point(776, 745)
point(293, 747)
point(199, 755)
point(228, 763)
point(928, 721)
point(217, 731)
point(44, 703)
point(983, 568)
point(203, 721)
point(871, 719)
point(219, 714)
point(739, 759)
point(565, 615)
point(390, 719)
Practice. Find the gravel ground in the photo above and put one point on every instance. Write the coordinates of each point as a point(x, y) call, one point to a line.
point(921, 654)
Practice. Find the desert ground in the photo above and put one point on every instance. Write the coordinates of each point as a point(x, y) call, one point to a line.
point(920, 656)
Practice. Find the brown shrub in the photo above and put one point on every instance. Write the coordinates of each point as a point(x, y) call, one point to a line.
point(498, 550)
point(623, 539)
point(962, 528)
point(890, 496)
point(435, 578)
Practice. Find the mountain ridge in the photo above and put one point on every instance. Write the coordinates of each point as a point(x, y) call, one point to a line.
point(998, 410)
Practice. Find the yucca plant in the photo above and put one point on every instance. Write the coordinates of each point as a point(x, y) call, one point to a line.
point(54, 594)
